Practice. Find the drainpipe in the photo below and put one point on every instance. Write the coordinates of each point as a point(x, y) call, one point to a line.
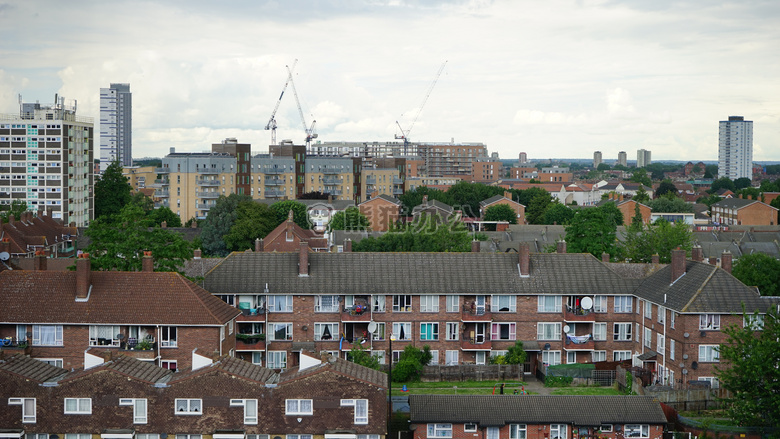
point(159, 354)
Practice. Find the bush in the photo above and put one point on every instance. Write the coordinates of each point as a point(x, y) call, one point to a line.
point(551, 381)
point(411, 363)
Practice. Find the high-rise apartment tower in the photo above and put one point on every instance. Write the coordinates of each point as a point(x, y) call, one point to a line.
point(622, 158)
point(735, 148)
point(116, 125)
point(642, 158)
point(596, 159)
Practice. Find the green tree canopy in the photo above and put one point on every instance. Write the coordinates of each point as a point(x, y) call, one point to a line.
point(536, 201)
point(559, 214)
point(364, 357)
point(749, 193)
point(748, 369)
point(410, 363)
point(413, 198)
point(710, 171)
point(709, 200)
point(349, 219)
point(253, 220)
point(218, 223)
point(117, 242)
point(742, 183)
point(16, 208)
point(722, 183)
point(603, 167)
point(670, 204)
point(759, 270)
point(468, 196)
point(426, 234)
point(165, 214)
point(641, 195)
point(640, 176)
point(642, 242)
point(300, 213)
point(593, 230)
point(666, 187)
point(500, 212)
point(112, 191)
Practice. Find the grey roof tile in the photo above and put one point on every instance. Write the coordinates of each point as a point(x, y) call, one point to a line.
point(30, 368)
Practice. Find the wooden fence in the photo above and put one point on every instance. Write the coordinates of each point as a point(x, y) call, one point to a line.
point(471, 372)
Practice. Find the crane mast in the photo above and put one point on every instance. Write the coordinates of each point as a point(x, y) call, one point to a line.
point(271, 125)
point(310, 134)
point(405, 134)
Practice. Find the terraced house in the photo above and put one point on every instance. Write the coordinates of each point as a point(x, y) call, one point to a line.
point(565, 308)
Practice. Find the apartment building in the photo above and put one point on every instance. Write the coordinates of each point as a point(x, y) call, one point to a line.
point(735, 148)
point(642, 158)
point(565, 308)
point(116, 125)
point(140, 177)
point(46, 160)
point(622, 159)
point(742, 211)
point(597, 159)
point(486, 170)
point(120, 397)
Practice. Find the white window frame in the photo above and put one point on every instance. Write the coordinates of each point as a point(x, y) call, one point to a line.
point(380, 331)
point(597, 356)
point(276, 360)
point(402, 303)
point(451, 357)
point(496, 303)
point(496, 327)
point(714, 382)
point(554, 361)
point(442, 430)
point(190, 406)
point(407, 331)
point(433, 333)
point(636, 430)
point(549, 304)
point(83, 406)
point(169, 337)
point(361, 409)
point(453, 331)
point(648, 338)
point(470, 427)
point(753, 321)
point(622, 304)
point(321, 303)
point(648, 309)
point(671, 349)
point(453, 303)
point(378, 303)
point(660, 344)
point(319, 329)
point(672, 319)
point(28, 405)
point(278, 326)
point(708, 353)
point(283, 302)
point(140, 409)
point(600, 304)
point(518, 431)
point(250, 409)
point(619, 333)
point(37, 339)
point(558, 431)
point(429, 303)
point(95, 333)
point(709, 322)
point(298, 407)
point(661, 314)
point(553, 333)
point(621, 355)
point(600, 331)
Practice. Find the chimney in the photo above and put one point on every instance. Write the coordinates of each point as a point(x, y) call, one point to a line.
point(508, 194)
point(725, 260)
point(303, 260)
point(330, 199)
point(40, 212)
point(347, 245)
point(605, 257)
point(697, 254)
point(48, 212)
point(39, 263)
point(5, 245)
point(83, 268)
point(425, 199)
point(524, 255)
point(475, 246)
point(106, 355)
point(11, 219)
point(678, 263)
point(196, 254)
point(259, 245)
point(713, 261)
point(621, 197)
point(560, 246)
point(164, 225)
point(194, 224)
point(655, 259)
point(147, 262)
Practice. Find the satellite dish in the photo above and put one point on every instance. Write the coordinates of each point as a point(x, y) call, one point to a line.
point(587, 303)
point(685, 356)
point(566, 329)
point(547, 346)
point(694, 365)
point(4, 256)
point(372, 326)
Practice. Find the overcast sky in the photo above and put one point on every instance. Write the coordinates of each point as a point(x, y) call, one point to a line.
point(551, 78)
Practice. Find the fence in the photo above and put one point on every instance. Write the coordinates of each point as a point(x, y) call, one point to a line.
point(471, 372)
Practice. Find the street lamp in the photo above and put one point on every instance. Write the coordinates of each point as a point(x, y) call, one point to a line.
point(390, 387)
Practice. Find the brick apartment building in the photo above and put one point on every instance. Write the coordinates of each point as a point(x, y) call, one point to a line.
point(565, 308)
point(744, 212)
point(225, 398)
point(158, 317)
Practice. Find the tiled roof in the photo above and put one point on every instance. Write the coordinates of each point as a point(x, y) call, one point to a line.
point(38, 231)
point(342, 367)
point(233, 366)
point(415, 273)
point(128, 366)
point(145, 298)
point(30, 368)
point(499, 410)
point(386, 198)
point(738, 203)
point(431, 204)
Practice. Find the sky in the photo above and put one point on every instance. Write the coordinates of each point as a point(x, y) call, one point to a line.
point(553, 78)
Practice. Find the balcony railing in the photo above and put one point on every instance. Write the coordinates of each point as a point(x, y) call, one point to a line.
point(272, 193)
point(328, 170)
point(397, 180)
point(578, 314)
point(357, 313)
point(162, 170)
point(371, 180)
point(476, 314)
point(162, 203)
point(579, 342)
point(207, 182)
point(162, 182)
point(331, 181)
point(162, 193)
point(273, 171)
point(475, 344)
point(334, 192)
point(202, 194)
point(398, 191)
point(274, 181)
point(208, 171)
point(204, 206)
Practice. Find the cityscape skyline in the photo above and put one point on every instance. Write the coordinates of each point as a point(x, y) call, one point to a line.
point(581, 77)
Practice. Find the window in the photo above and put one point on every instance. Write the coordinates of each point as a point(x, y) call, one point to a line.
point(402, 303)
point(648, 338)
point(672, 319)
point(139, 409)
point(378, 303)
point(671, 349)
point(600, 304)
point(709, 322)
point(492, 433)
point(549, 304)
point(621, 332)
point(188, 406)
point(78, 436)
point(661, 314)
point(379, 332)
point(503, 304)
point(429, 303)
point(139, 436)
point(469, 428)
point(439, 430)
point(453, 303)
point(660, 345)
point(280, 331)
point(648, 309)
point(597, 356)
point(168, 364)
point(326, 303)
point(517, 431)
point(557, 431)
point(548, 331)
point(402, 330)
point(277, 360)
point(605, 428)
point(503, 331)
point(429, 331)
point(636, 430)
point(621, 355)
point(551, 358)
point(250, 409)
point(714, 383)
point(709, 354)
point(188, 436)
point(361, 409)
point(451, 358)
point(434, 357)
point(28, 408)
point(452, 331)
point(623, 304)
point(325, 331)
point(78, 406)
point(168, 337)
point(103, 335)
point(298, 407)
point(47, 335)
point(753, 321)
point(302, 436)
point(53, 361)
point(599, 331)
point(280, 303)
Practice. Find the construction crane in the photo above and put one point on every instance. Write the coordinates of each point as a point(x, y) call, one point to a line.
point(310, 134)
point(405, 134)
point(271, 125)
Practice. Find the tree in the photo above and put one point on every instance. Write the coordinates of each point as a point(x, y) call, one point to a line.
point(536, 201)
point(749, 193)
point(593, 230)
point(17, 208)
point(722, 183)
point(748, 369)
point(410, 363)
point(363, 357)
point(218, 223)
point(759, 270)
point(640, 176)
point(500, 212)
point(349, 219)
point(112, 191)
point(709, 200)
point(314, 195)
point(468, 196)
point(742, 183)
point(426, 234)
point(300, 213)
point(641, 195)
point(413, 198)
point(117, 242)
point(642, 242)
point(710, 171)
point(253, 220)
point(165, 214)
point(603, 167)
point(670, 204)
point(666, 187)
point(516, 354)
point(559, 214)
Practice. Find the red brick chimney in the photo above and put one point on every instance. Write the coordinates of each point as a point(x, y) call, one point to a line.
point(196, 254)
point(560, 246)
point(5, 245)
point(655, 259)
point(425, 200)
point(147, 262)
point(605, 257)
point(697, 254)
point(39, 263)
point(259, 245)
point(164, 225)
point(303, 260)
point(11, 219)
point(347, 245)
point(678, 263)
point(83, 267)
point(508, 194)
point(725, 260)
point(524, 259)
point(475, 246)
point(713, 261)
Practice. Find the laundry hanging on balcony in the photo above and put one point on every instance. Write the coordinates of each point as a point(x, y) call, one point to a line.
point(578, 339)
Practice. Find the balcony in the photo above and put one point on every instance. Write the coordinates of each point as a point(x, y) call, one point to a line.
point(398, 191)
point(204, 206)
point(274, 171)
point(13, 345)
point(248, 342)
point(578, 314)
point(161, 182)
point(475, 344)
point(162, 170)
point(273, 193)
point(211, 194)
point(579, 342)
point(162, 193)
point(207, 182)
point(334, 192)
point(274, 181)
point(214, 171)
point(332, 181)
point(252, 315)
point(398, 180)
point(475, 314)
point(371, 180)
point(356, 313)
point(162, 203)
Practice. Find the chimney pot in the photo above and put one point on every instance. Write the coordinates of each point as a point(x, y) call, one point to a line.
point(655, 259)
point(147, 262)
point(697, 254)
point(303, 259)
point(194, 224)
point(605, 257)
point(259, 245)
point(347, 245)
point(164, 225)
point(196, 254)
point(678, 263)
point(524, 255)
point(40, 262)
point(560, 246)
point(725, 260)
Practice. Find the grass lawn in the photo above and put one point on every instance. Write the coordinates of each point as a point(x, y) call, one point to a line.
point(710, 416)
point(585, 391)
point(455, 388)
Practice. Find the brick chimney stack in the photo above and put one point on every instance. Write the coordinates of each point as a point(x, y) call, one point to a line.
point(425, 200)
point(39, 263)
point(475, 246)
point(697, 254)
point(147, 262)
point(347, 245)
point(5, 245)
point(11, 219)
point(678, 263)
point(605, 257)
point(655, 259)
point(303, 260)
point(196, 254)
point(524, 259)
point(725, 260)
point(194, 224)
point(713, 261)
point(259, 245)
point(560, 246)
point(164, 225)
point(83, 267)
